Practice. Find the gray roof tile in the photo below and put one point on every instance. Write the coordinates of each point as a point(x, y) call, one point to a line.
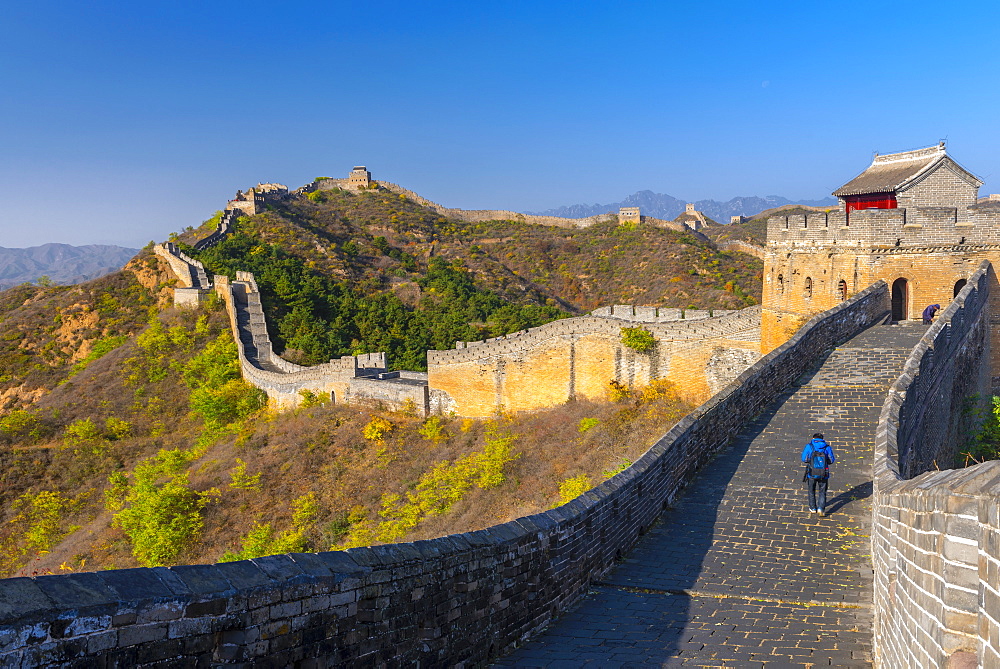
point(897, 171)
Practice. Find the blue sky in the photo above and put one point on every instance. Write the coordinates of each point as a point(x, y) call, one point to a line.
point(120, 124)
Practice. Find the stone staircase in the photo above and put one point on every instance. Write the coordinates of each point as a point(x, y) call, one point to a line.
point(225, 225)
point(252, 329)
point(739, 573)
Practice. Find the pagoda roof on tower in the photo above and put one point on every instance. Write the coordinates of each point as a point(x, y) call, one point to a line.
point(894, 172)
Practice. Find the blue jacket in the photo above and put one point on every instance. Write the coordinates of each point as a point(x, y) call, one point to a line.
point(818, 445)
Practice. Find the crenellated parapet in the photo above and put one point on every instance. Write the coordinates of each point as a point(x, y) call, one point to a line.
point(735, 324)
point(644, 314)
point(225, 226)
point(917, 226)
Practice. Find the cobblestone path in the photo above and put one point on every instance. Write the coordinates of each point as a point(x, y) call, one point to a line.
point(739, 573)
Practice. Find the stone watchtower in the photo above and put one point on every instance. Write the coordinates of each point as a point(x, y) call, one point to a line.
point(359, 178)
point(910, 218)
point(629, 215)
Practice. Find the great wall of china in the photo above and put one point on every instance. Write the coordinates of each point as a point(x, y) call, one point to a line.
point(470, 598)
point(564, 360)
point(360, 179)
point(569, 359)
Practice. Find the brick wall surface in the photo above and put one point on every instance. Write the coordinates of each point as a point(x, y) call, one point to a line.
point(943, 185)
point(456, 600)
point(577, 358)
point(934, 533)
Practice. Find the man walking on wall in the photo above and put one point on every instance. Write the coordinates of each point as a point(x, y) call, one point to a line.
point(817, 456)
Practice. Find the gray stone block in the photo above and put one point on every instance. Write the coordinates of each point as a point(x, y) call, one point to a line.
point(77, 591)
point(134, 584)
point(202, 579)
point(21, 598)
point(244, 575)
point(283, 569)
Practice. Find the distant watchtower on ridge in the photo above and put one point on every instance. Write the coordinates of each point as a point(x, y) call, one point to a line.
point(359, 178)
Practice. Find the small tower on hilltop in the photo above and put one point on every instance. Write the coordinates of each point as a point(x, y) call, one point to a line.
point(693, 218)
point(629, 215)
point(359, 178)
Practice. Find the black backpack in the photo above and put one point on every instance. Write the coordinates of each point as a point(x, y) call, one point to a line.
point(818, 465)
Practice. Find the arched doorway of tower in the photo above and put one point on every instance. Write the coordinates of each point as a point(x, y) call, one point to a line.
point(900, 300)
point(959, 285)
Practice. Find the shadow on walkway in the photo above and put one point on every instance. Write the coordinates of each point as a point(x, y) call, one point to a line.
point(738, 572)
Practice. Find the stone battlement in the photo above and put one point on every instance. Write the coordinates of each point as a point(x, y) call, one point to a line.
point(350, 379)
point(225, 226)
point(255, 199)
point(639, 314)
point(918, 226)
point(578, 357)
point(190, 273)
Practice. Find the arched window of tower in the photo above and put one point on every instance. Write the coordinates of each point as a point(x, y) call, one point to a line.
point(808, 292)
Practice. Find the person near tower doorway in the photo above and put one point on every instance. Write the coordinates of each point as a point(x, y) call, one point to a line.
point(930, 312)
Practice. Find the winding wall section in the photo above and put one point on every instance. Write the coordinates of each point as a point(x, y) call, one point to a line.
point(350, 379)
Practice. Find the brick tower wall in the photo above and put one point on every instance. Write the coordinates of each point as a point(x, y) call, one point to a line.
point(931, 247)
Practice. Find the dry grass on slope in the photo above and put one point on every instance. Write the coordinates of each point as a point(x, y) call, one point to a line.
point(328, 460)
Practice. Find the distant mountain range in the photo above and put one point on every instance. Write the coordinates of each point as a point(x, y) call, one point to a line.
point(62, 263)
point(659, 205)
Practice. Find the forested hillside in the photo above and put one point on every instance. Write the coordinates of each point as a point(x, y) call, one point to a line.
point(344, 273)
point(127, 436)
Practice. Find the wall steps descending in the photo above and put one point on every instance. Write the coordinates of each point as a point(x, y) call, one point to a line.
point(194, 283)
point(224, 228)
point(252, 329)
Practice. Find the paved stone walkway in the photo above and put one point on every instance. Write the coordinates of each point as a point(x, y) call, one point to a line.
point(739, 573)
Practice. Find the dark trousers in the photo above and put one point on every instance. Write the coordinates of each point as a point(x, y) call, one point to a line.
point(817, 488)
